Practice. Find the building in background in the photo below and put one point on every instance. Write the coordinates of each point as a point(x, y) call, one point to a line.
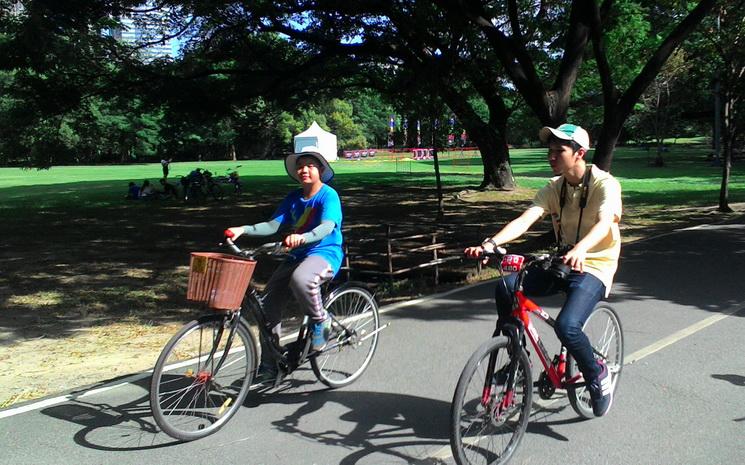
point(147, 30)
point(16, 9)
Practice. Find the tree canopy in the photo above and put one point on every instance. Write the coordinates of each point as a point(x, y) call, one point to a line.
point(263, 67)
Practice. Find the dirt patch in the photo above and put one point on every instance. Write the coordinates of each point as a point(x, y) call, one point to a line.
point(94, 294)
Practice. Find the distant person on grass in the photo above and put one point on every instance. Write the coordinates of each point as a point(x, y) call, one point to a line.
point(169, 191)
point(164, 163)
point(146, 191)
point(313, 215)
point(133, 192)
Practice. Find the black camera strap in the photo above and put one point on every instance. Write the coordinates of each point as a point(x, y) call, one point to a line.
point(582, 201)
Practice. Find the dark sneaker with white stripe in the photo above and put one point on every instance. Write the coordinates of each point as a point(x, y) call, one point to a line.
point(601, 391)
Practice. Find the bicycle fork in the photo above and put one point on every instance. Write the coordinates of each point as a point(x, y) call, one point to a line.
point(204, 375)
point(494, 379)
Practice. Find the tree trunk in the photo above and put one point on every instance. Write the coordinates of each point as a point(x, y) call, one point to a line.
point(495, 157)
point(125, 155)
point(724, 189)
point(606, 143)
point(491, 140)
point(728, 132)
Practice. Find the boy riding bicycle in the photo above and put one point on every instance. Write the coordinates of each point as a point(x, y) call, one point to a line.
point(313, 212)
point(585, 207)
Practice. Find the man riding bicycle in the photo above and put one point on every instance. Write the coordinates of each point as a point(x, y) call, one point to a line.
point(585, 207)
point(314, 214)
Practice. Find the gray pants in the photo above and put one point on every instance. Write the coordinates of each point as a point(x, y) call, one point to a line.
point(304, 278)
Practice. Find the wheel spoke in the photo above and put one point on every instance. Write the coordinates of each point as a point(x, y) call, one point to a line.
point(189, 399)
point(354, 312)
point(604, 332)
point(480, 431)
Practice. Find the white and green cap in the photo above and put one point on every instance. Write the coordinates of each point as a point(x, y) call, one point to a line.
point(566, 132)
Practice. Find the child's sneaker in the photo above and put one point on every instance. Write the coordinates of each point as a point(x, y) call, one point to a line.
point(601, 391)
point(320, 331)
point(266, 374)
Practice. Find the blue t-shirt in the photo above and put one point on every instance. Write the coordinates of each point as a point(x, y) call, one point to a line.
point(303, 215)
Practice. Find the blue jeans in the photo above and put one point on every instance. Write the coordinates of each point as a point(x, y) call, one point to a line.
point(583, 291)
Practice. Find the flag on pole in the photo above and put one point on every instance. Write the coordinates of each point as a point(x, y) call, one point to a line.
point(406, 131)
point(451, 131)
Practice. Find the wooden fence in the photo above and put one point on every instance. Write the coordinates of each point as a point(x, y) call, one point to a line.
point(391, 253)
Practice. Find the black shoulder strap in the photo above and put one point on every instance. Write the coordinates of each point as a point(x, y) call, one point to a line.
point(582, 201)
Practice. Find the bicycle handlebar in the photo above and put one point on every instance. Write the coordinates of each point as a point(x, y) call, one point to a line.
point(531, 259)
point(270, 248)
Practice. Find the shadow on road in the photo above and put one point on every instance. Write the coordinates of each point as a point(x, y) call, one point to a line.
point(737, 380)
point(701, 268)
point(106, 427)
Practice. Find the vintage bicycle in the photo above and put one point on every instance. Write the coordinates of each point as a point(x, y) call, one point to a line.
point(491, 406)
point(205, 371)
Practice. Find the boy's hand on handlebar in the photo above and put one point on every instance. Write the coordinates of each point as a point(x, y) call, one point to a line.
point(235, 231)
point(293, 240)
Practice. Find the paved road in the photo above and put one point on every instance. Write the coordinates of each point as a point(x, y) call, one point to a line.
point(681, 298)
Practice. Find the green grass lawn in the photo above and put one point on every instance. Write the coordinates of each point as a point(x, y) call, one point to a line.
point(687, 179)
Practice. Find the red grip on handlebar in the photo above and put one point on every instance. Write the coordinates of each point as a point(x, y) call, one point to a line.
point(229, 234)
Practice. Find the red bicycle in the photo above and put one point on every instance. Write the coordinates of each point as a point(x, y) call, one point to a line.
point(492, 401)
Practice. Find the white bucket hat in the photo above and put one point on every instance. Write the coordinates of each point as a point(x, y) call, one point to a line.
point(312, 151)
point(566, 132)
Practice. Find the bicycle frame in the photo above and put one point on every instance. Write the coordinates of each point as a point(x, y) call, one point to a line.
point(555, 369)
point(523, 308)
point(254, 306)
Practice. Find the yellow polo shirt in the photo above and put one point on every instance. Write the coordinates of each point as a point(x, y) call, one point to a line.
point(604, 194)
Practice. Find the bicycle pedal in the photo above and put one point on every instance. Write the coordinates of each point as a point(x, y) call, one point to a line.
point(280, 377)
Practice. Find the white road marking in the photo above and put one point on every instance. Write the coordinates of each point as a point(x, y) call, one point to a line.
point(682, 334)
point(136, 377)
point(446, 452)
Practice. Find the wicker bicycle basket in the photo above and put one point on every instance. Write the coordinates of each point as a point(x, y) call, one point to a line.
point(219, 280)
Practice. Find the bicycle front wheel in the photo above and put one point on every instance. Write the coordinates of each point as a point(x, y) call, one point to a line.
point(354, 337)
point(199, 382)
point(603, 329)
point(488, 418)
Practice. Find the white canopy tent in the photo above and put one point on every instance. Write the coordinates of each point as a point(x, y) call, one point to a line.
point(316, 136)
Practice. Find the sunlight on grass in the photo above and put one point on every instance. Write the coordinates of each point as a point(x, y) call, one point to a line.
point(26, 394)
point(37, 299)
point(137, 273)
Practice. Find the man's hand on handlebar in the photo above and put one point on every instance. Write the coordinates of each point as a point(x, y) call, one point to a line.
point(475, 252)
point(488, 247)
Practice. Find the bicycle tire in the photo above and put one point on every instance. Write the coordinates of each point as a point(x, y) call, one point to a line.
point(603, 329)
point(188, 401)
point(468, 415)
point(349, 351)
point(216, 192)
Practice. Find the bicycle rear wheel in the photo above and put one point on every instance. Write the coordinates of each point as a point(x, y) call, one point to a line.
point(604, 331)
point(487, 419)
point(354, 337)
point(189, 396)
point(216, 192)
